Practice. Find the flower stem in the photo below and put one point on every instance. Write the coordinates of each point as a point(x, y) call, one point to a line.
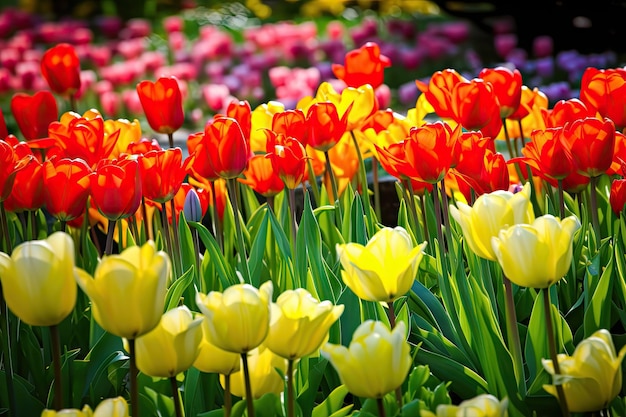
point(593, 192)
point(547, 306)
point(176, 244)
point(108, 248)
point(246, 376)
point(381, 407)
point(291, 401)
point(167, 238)
point(134, 372)
point(376, 188)
point(392, 324)
point(228, 401)
point(232, 192)
point(561, 198)
point(217, 223)
point(413, 210)
point(313, 182)
point(294, 224)
point(176, 395)
point(55, 340)
point(362, 178)
point(333, 183)
point(513, 336)
point(170, 139)
point(8, 355)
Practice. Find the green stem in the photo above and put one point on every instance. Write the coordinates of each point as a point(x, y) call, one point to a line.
point(381, 407)
point(364, 185)
point(4, 225)
point(167, 238)
point(513, 336)
point(333, 183)
point(134, 372)
point(55, 340)
point(547, 306)
point(178, 407)
point(144, 214)
point(410, 199)
point(170, 139)
point(445, 211)
point(376, 188)
point(512, 149)
point(593, 193)
point(392, 324)
point(228, 400)
point(32, 219)
point(561, 198)
point(313, 182)
point(217, 223)
point(196, 244)
point(241, 247)
point(246, 376)
point(108, 248)
point(294, 224)
point(291, 401)
point(72, 102)
point(8, 355)
point(176, 249)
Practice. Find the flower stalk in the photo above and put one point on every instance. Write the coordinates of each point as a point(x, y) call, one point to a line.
point(246, 376)
point(547, 306)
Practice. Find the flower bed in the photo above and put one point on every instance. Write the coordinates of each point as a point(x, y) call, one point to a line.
point(164, 264)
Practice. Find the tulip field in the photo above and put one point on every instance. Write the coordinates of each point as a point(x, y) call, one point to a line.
point(193, 225)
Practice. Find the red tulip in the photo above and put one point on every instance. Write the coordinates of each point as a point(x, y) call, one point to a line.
point(507, 86)
point(430, 149)
point(116, 188)
point(10, 163)
point(66, 187)
point(617, 196)
point(565, 111)
point(228, 149)
point(198, 165)
point(290, 123)
point(262, 177)
point(60, 67)
point(288, 158)
point(592, 142)
point(34, 114)
point(605, 92)
point(475, 105)
point(324, 128)
point(162, 173)
point(162, 102)
point(365, 65)
point(438, 91)
point(240, 111)
point(549, 154)
point(28, 189)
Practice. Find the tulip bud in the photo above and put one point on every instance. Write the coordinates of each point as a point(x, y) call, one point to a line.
point(192, 207)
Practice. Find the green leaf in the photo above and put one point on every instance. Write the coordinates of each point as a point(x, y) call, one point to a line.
point(28, 404)
point(223, 269)
point(178, 287)
point(598, 311)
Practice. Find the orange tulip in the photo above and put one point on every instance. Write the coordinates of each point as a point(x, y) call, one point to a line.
point(228, 149)
point(324, 127)
point(27, 193)
point(475, 106)
point(129, 132)
point(116, 188)
point(438, 91)
point(162, 173)
point(141, 147)
point(549, 154)
point(592, 142)
point(288, 158)
point(393, 160)
point(565, 111)
point(365, 65)
point(507, 86)
point(290, 123)
point(162, 102)
point(34, 113)
point(10, 163)
point(60, 67)
point(604, 90)
point(240, 111)
point(261, 176)
point(199, 166)
point(66, 187)
point(619, 155)
point(430, 149)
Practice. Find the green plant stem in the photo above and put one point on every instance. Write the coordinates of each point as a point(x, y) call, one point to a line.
point(513, 336)
point(445, 211)
point(363, 180)
point(170, 139)
point(167, 238)
point(512, 149)
point(55, 340)
point(413, 210)
point(217, 223)
point(196, 245)
point(178, 407)
point(291, 401)
point(424, 219)
point(108, 248)
point(381, 407)
point(228, 400)
point(134, 372)
point(313, 182)
point(144, 214)
point(8, 355)
point(333, 183)
point(4, 225)
point(176, 247)
point(392, 324)
point(547, 306)
point(72, 99)
point(561, 198)
point(32, 219)
point(593, 193)
point(294, 224)
point(241, 246)
point(246, 376)
point(376, 186)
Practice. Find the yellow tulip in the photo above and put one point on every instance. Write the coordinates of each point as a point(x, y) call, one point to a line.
point(484, 405)
point(385, 268)
point(38, 280)
point(592, 377)
point(172, 346)
point(376, 362)
point(261, 119)
point(489, 214)
point(263, 365)
point(300, 323)
point(212, 359)
point(111, 407)
point(539, 254)
point(238, 318)
point(128, 290)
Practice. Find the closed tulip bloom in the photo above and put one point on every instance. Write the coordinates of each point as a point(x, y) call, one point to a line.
point(38, 280)
point(172, 346)
point(592, 142)
point(549, 154)
point(604, 90)
point(261, 176)
point(60, 68)
point(438, 90)
point(162, 173)
point(240, 111)
point(238, 319)
point(365, 65)
point(66, 187)
point(300, 323)
point(228, 148)
point(376, 362)
point(385, 268)
point(28, 188)
point(566, 111)
point(212, 359)
point(484, 405)
point(539, 254)
point(490, 214)
point(264, 366)
point(116, 188)
point(617, 196)
point(10, 163)
point(430, 150)
point(290, 123)
point(162, 103)
point(111, 407)
point(288, 159)
point(324, 126)
point(592, 377)
point(34, 113)
point(128, 290)
point(507, 86)
point(474, 104)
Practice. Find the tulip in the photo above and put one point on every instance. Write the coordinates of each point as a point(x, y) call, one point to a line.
point(261, 177)
point(228, 149)
point(539, 254)
point(28, 188)
point(385, 268)
point(212, 359)
point(264, 374)
point(290, 123)
point(438, 91)
point(60, 67)
point(324, 126)
point(592, 377)
point(111, 407)
point(66, 187)
point(172, 346)
point(162, 103)
point(549, 154)
point(617, 196)
point(10, 163)
point(162, 174)
point(376, 362)
point(507, 86)
point(475, 105)
point(604, 91)
point(300, 323)
point(128, 290)
point(592, 143)
point(565, 111)
point(34, 113)
point(288, 159)
point(116, 188)
point(362, 66)
point(240, 111)
point(429, 150)
point(38, 280)
point(490, 214)
point(238, 318)
point(484, 405)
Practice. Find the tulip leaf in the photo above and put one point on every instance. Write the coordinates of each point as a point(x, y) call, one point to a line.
point(357, 231)
point(332, 404)
point(224, 270)
point(28, 404)
point(257, 251)
point(158, 404)
point(178, 287)
point(598, 311)
point(284, 250)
